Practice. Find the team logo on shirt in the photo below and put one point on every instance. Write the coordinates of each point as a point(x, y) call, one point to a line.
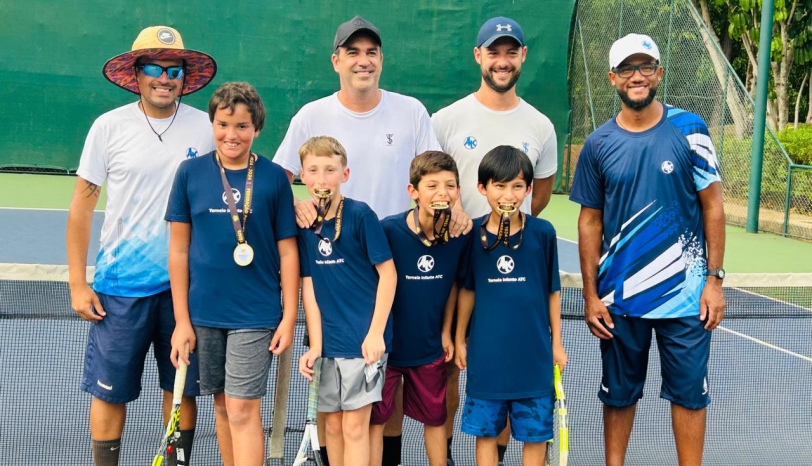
point(389, 139)
point(425, 263)
point(667, 167)
point(325, 247)
point(469, 143)
point(526, 147)
point(191, 153)
point(505, 264)
point(234, 192)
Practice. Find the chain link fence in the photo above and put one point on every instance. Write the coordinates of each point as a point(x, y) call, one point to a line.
point(697, 78)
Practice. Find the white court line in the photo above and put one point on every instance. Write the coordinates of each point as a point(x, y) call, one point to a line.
point(567, 240)
point(764, 343)
point(44, 209)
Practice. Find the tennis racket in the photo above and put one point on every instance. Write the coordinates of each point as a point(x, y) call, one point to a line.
point(170, 443)
point(311, 433)
point(561, 417)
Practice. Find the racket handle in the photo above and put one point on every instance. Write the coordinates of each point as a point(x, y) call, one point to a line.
point(180, 377)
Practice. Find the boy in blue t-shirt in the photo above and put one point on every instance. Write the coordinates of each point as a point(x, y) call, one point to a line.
point(428, 262)
point(348, 284)
point(514, 274)
point(234, 269)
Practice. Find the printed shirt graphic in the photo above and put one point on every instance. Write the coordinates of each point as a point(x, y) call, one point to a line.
point(344, 277)
point(653, 261)
point(138, 168)
point(380, 145)
point(426, 275)
point(510, 347)
point(223, 294)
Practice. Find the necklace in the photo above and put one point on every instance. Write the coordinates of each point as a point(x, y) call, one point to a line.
point(177, 107)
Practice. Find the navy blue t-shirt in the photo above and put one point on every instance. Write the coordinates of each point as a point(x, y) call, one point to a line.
point(653, 257)
point(510, 353)
point(344, 276)
point(223, 294)
point(425, 278)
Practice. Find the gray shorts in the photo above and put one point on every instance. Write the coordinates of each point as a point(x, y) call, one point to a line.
point(344, 385)
point(234, 361)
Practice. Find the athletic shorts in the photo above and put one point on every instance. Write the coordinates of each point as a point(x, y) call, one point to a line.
point(531, 419)
point(344, 385)
point(234, 361)
point(423, 393)
point(117, 348)
point(684, 347)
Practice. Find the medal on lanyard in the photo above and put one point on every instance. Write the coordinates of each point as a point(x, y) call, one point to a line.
point(503, 233)
point(441, 210)
point(243, 253)
point(322, 208)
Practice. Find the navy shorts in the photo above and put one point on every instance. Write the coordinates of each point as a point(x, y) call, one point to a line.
point(117, 348)
point(684, 347)
point(531, 419)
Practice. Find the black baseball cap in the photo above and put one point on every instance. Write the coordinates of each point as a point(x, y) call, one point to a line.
point(346, 30)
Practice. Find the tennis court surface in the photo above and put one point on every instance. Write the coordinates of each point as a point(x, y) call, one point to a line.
point(761, 368)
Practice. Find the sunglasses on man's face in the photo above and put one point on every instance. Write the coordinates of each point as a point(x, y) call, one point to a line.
point(154, 71)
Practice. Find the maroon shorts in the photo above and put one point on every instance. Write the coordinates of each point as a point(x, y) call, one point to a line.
point(423, 394)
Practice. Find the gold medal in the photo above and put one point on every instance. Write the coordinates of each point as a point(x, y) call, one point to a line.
point(243, 254)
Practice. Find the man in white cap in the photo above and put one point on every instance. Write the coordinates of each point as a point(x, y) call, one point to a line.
point(651, 236)
point(136, 150)
point(495, 115)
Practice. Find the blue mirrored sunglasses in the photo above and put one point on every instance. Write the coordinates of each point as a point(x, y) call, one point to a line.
point(153, 71)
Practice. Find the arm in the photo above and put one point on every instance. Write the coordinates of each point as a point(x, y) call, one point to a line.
point(461, 222)
point(542, 190)
point(559, 353)
point(289, 271)
point(448, 319)
point(590, 233)
point(374, 346)
point(712, 302)
point(465, 306)
point(180, 235)
point(80, 218)
point(290, 175)
point(313, 317)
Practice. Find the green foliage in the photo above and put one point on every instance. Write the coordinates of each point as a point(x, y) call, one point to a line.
point(798, 143)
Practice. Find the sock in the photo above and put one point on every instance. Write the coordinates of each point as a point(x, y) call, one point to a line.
point(105, 452)
point(448, 447)
point(187, 439)
point(391, 450)
point(324, 458)
point(501, 449)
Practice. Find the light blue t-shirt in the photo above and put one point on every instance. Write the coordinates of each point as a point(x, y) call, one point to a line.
point(654, 257)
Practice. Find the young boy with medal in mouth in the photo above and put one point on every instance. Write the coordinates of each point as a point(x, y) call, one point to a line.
point(428, 262)
point(348, 284)
point(234, 269)
point(513, 272)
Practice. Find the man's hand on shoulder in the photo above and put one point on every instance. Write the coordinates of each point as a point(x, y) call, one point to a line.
point(460, 224)
point(305, 212)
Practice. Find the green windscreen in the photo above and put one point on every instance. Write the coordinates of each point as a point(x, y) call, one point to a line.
point(53, 53)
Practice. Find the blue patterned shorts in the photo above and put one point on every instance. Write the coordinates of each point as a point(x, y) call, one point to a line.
point(531, 419)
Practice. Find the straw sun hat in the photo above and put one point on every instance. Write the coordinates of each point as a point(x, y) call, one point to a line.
point(161, 43)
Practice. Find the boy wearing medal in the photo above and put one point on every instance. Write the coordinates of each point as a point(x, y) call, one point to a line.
point(234, 269)
point(514, 275)
point(428, 262)
point(348, 284)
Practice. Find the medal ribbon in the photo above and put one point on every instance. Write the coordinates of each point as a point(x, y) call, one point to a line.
point(322, 209)
point(503, 233)
point(441, 235)
point(239, 228)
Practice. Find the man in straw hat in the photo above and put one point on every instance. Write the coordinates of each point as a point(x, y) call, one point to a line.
point(136, 149)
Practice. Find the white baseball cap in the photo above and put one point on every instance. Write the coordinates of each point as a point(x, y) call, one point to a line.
point(632, 44)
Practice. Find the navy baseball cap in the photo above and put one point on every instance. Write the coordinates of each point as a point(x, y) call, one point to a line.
point(346, 30)
point(495, 28)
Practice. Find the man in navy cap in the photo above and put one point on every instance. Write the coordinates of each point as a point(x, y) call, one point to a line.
point(495, 115)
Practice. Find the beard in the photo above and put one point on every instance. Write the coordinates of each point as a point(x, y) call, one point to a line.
point(637, 104)
point(487, 75)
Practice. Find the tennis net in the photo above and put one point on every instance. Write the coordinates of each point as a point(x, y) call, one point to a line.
point(761, 367)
